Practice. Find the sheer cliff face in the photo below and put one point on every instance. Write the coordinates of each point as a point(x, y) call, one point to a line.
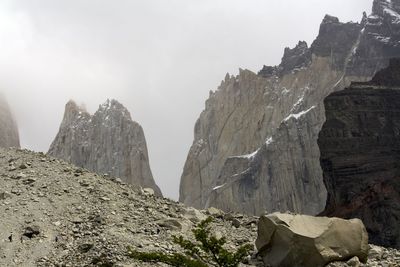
point(9, 136)
point(360, 155)
point(255, 146)
point(107, 142)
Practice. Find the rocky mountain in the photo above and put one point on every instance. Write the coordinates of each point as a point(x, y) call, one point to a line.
point(255, 144)
point(107, 142)
point(360, 154)
point(57, 214)
point(9, 136)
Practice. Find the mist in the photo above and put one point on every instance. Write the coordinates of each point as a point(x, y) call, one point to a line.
point(159, 58)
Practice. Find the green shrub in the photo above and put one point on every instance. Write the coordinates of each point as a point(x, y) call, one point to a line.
point(207, 250)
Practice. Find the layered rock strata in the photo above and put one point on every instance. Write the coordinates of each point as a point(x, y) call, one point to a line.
point(107, 142)
point(360, 154)
point(255, 144)
point(9, 136)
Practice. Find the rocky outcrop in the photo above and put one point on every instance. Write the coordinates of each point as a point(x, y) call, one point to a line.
point(107, 142)
point(255, 144)
point(286, 240)
point(360, 154)
point(9, 136)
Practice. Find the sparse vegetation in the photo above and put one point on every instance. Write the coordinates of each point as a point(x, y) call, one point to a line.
point(207, 250)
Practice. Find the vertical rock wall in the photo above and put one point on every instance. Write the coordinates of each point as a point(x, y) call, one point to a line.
point(255, 144)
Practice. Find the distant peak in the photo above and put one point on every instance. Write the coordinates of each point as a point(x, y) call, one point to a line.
point(112, 106)
point(302, 44)
point(74, 112)
point(106, 105)
point(330, 19)
point(72, 106)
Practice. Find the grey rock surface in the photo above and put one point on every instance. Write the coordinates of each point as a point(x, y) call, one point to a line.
point(108, 142)
point(255, 144)
point(9, 136)
point(287, 240)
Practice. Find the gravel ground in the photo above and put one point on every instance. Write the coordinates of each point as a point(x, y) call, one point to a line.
point(55, 214)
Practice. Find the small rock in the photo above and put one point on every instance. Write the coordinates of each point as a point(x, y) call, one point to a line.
point(375, 252)
point(23, 166)
point(215, 212)
point(20, 175)
point(4, 195)
point(12, 168)
point(148, 191)
point(98, 219)
point(354, 262)
point(31, 231)
point(228, 217)
point(84, 248)
point(29, 181)
point(236, 223)
point(15, 191)
point(77, 220)
point(218, 235)
point(171, 224)
point(84, 183)
point(194, 215)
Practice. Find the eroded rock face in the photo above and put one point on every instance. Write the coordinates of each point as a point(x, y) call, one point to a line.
point(107, 142)
point(255, 145)
point(9, 136)
point(360, 154)
point(286, 240)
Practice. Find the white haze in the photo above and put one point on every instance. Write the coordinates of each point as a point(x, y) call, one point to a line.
point(160, 58)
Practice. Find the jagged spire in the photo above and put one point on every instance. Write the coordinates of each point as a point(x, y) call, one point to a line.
point(106, 142)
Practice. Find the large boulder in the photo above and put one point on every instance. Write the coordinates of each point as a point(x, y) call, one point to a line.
point(301, 240)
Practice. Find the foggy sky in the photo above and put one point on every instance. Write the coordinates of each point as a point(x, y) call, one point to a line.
point(160, 58)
